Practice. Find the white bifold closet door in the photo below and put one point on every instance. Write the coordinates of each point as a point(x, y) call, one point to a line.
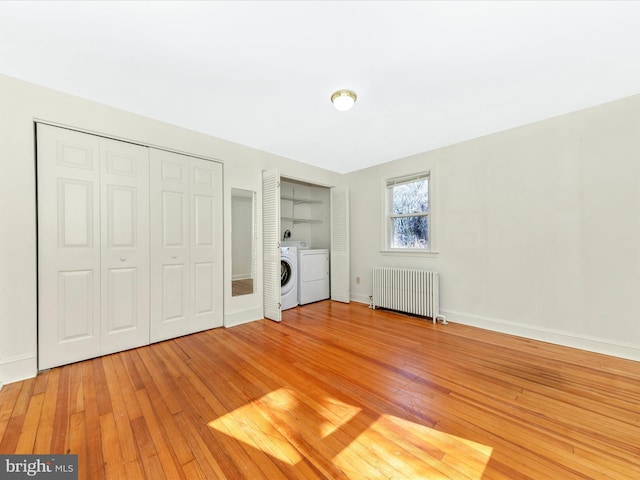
point(186, 245)
point(271, 264)
point(340, 258)
point(93, 242)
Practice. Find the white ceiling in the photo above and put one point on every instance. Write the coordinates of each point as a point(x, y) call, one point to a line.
point(427, 74)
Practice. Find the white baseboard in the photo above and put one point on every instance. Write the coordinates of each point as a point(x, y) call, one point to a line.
point(20, 367)
point(558, 337)
point(361, 299)
point(239, 317)
point(242, 276)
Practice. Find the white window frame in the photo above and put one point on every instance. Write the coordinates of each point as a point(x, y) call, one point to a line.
point(387, 214)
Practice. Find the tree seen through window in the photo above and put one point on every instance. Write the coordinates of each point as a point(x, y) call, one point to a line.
point(409, 215)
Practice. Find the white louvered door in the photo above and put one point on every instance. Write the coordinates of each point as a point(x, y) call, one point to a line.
point(340, 270)
point(271, 244)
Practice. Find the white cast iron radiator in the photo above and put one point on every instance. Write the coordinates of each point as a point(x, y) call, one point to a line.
point(407, 290)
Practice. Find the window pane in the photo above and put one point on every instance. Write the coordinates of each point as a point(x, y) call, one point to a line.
point(411, 232)
point(411, 197)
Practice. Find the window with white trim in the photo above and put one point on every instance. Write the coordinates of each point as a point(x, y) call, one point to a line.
point(408, 222)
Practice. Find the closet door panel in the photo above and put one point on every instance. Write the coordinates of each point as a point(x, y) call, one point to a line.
point(203, 288)
point(76, 302)
point(75, 213)
point(124, 186)
point(174, 219)
point(170, 255)
point(122, 301)
point(206, 244)
point(68, 246)
point(174, 294)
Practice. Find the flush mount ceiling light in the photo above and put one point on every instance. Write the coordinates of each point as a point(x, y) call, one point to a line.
point(343, 100)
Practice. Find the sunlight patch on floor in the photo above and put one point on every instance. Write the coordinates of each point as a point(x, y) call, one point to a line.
point(289, 425)
point(417, 451)
point(252, 424)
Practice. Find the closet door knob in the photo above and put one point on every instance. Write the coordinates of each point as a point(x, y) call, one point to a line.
point(174, 256)
point(122, 259)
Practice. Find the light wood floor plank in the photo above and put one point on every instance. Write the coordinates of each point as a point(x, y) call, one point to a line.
point(45, 428)
point(336, 391)
point(148, 453)
point(78, 441)
point(120, 412)
point(163, 448)
point(30, 426)
point(94, 464)
point(114, 463)
point(8, 401)
point(209, 465)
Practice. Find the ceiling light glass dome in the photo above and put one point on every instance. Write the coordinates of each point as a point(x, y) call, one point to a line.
point(343, 100)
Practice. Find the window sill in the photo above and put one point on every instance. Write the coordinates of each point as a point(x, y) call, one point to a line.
point(409, 252)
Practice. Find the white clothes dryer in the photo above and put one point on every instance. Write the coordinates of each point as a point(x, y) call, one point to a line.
point(299, 244)
point(288, 277)
point(313, 275)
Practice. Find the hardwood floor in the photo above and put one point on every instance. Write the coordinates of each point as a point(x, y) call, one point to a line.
point(336, 391)
point(241, 287)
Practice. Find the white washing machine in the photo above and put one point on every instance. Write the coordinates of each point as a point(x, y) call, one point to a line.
point(288, 277)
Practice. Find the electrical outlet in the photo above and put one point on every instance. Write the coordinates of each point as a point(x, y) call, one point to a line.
point(357, 280)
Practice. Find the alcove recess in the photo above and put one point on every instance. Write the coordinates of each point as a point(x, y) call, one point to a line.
point(305, 212)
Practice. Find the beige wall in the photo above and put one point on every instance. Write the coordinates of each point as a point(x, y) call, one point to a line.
point(538, 229)
point(20, 104)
